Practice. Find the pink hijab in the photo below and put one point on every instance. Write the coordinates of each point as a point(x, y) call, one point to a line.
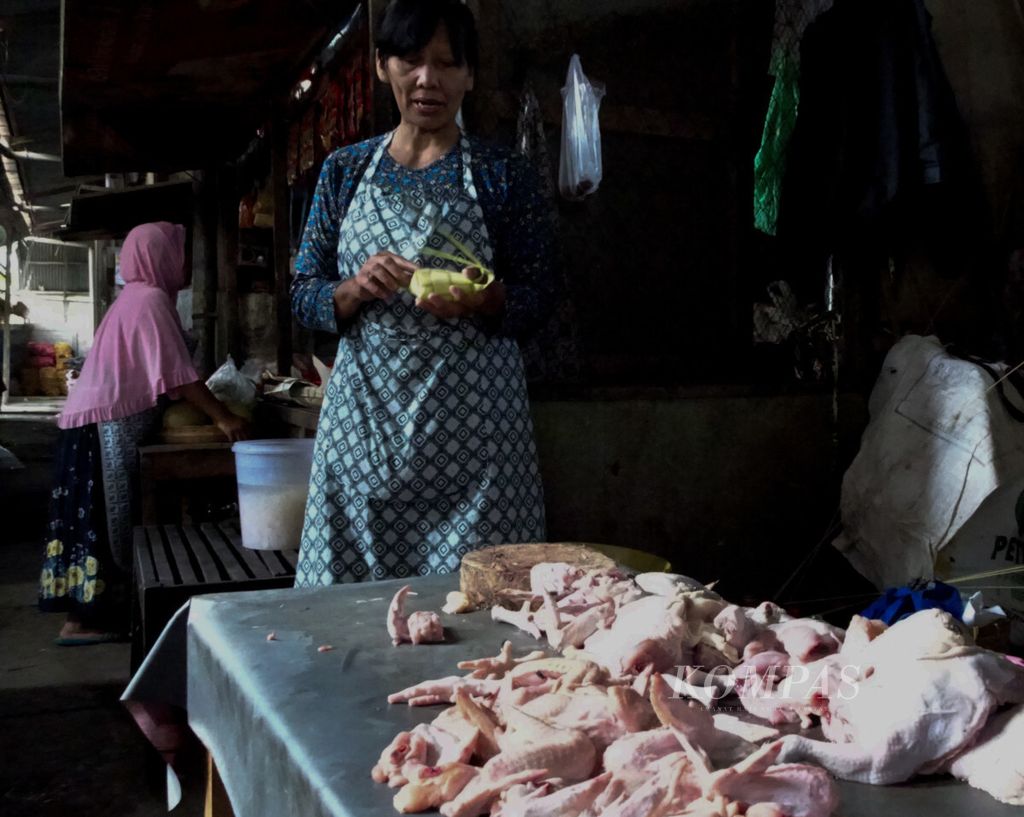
point(139, 352)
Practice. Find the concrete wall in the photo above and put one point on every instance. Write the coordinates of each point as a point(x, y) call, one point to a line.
point(530, 17)
point(982, 48)
point(653, 259)
point(737, 488)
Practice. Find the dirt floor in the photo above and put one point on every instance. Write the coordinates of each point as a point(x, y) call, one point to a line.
point(68, 746)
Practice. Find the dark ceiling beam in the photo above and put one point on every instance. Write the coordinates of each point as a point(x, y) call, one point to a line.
point(11, 172)
point(26, 155)
point(62, 190)
point(111, 214)
point(147, 87)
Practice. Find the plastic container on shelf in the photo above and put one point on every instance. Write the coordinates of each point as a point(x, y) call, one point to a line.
point(49, 381)
point(273, 481)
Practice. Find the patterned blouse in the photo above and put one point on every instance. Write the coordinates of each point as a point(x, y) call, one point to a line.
point(519, 219)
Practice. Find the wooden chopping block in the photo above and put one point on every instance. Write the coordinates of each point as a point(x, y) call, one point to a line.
point(488, 574)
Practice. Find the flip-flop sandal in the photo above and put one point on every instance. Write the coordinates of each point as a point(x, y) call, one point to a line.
point(86, 640)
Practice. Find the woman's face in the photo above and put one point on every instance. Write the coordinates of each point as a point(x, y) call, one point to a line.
point(427, 84)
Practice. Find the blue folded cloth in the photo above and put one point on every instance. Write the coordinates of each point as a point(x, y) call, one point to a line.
point(899, 602)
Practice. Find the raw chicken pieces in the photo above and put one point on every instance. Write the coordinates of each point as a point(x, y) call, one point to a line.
point(623, 722)
point(578, 735)
point(416, 628)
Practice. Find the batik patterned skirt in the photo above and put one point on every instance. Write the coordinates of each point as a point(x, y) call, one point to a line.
point(79, 575)
point(93, 507)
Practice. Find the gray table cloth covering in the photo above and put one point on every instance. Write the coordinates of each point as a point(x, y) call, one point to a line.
point(296, 731)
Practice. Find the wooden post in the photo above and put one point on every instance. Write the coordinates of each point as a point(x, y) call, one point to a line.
point(204, 274)
point(282, 242)
point(97, 282)
point(217, 803)
point(7, 324)
point(228, 341)
point(382, 118)
point(478, 105)
point(740, 214)
point(741, 211)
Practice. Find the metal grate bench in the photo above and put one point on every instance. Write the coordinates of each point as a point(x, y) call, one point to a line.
point(172, 563)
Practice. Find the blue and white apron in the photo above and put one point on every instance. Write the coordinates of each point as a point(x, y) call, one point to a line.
point(425, 448)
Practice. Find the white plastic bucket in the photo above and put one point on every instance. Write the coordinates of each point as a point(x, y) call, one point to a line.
point(273, 481)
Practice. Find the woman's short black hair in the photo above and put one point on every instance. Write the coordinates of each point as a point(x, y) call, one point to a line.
point(408, 25)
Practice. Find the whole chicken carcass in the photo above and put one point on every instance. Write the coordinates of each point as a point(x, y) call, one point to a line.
point(651, 631)
point(994, 763)
point(911, 700)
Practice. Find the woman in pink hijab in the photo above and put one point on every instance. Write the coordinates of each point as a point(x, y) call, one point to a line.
point(138, 357)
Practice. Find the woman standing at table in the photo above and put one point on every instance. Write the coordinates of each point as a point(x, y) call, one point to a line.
point(138, 356)
point(425, 446)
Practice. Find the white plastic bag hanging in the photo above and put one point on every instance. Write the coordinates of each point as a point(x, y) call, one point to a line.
point(579, 165)
point(230, 386)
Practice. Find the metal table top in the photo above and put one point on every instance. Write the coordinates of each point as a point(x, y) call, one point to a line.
point(294, 730)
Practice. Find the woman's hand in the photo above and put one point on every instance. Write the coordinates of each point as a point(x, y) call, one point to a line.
point(378, 279)
point(235, 428)
point(488, 303)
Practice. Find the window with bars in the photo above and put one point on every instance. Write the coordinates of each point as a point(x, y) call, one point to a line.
point(52, 266)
